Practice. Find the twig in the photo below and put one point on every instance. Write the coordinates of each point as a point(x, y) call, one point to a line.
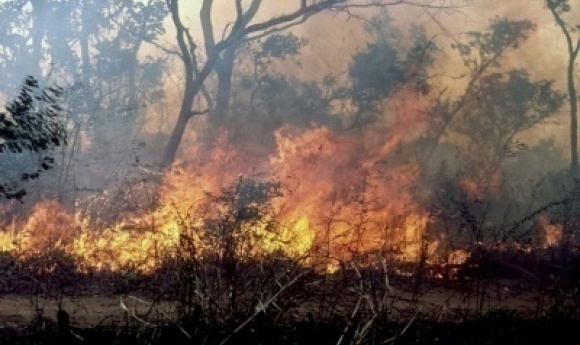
point(392, 340)
point(263, 307)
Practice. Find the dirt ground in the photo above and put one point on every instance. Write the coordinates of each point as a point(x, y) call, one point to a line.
point(441, 304)
point(17, 311)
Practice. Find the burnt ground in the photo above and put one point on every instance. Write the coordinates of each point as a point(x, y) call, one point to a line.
point(105, 310)
point(495, 328)
point(481, 303)
point(437, 315)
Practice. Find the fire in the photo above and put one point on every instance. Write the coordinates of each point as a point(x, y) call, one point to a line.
point(552, 232)
point(458, 257)
point(342, 194)
point(49, 225)
point(355, 201)
point(488, 183)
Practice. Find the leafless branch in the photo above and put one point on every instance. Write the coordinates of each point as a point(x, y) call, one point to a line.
point(263, 306)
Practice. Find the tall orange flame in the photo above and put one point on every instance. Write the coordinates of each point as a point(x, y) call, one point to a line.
point(345, 194)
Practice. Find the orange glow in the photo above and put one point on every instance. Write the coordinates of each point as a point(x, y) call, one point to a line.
point(552, 232)
point(48, 226)
point(344, 194)
point(457, 257)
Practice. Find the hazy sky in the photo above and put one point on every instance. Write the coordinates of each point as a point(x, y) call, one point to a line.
point(333, 38)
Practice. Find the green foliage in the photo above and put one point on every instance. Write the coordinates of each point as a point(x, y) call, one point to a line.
point(390, 61)
point(504, 104)
point(114, 32)
point(383, 67)
point(483, 48)
point(32, 123)
point(276, 98)
point(281, 46)
point(94, 49)
point(28, 124)
point(116, 61)
point(560, 6)
point(299, 102)
point(482, 54)
point(376, 72)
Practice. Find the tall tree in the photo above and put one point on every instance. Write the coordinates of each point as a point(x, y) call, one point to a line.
point(559, 8)
point(219, 54)
point(92, 44)
point(92, 48)
point(386, 65)
point(481, 53)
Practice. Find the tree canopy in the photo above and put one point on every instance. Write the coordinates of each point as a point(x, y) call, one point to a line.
point(31, 124)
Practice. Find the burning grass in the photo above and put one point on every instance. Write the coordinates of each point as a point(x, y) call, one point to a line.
point(323, 195)
point(324, 233)
point(223, 299)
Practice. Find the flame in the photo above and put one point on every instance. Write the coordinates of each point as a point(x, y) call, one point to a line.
point(552, 232)
point(49, 225)
point(488, 183)
point(355, 200)
point(457, 257)
point(344, 194)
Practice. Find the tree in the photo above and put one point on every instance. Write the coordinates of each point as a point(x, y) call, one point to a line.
point(32, 123)
point(501, 106)
point(219, 55)
point(472, 142)
point(558, 8)
point(481, 53)
point(386, 65)
point(93, 49)
point(275, 98)
point(93, 45)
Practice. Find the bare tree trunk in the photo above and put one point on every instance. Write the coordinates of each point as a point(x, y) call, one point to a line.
point(224, 50)
point(193, 86)
point(179, 128)
point(132, 84)
point(224, 70)
point(573, 48)
point(244, 29)
point(573, 116)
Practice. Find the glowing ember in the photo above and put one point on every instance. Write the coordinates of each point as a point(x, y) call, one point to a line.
point(457, 257)
point(552, 232)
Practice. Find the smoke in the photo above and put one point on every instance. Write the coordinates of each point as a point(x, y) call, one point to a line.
point(351, 154)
